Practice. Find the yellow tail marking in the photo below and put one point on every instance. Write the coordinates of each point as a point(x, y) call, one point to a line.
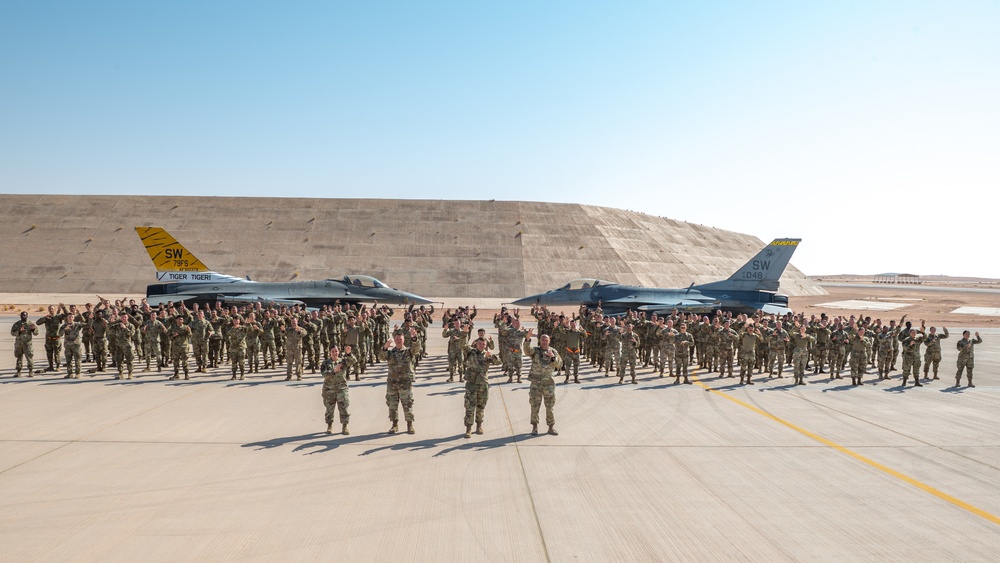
point(167, 254)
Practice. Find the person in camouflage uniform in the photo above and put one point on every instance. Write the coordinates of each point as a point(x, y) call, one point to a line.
point(910, 343)
point(179, 335)
point(201, 334)
point(800, 353)
point(215, 339)
point(120, 333)
point(572, 338)
point(515, 340)
point(401, 360)
point(777, 340)
point(611, 335)
point(294, 337)
point(839, 343)
point(883, 348)
point(932, 354)
point(859, 356)
point(748, 349)
point(683, 342)
point(237, 340)
point(726, 342)
point(821, 350)
point(456, 347)
point(152, 329)
point(99, 336)
point(629, 348)
point(254, 332)
point(477, 384)
point(53, 344)
point(335, 394)
point(272, 328)
point(966, 357)
point(663, 339)
point(544, 363)
point(23, 331)
point(72, 333)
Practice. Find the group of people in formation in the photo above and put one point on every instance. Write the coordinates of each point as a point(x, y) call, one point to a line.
point(342, 340)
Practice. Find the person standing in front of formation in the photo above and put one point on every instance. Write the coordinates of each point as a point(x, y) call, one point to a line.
point(23, 331)
point(402, 361)
point(966, 357)
point(544, 363)
point(335, 396)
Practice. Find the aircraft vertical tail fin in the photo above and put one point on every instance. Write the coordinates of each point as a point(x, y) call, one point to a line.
point(763, 271)
point(167, 254)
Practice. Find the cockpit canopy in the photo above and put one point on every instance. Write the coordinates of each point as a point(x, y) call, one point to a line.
point(584, 283)
point(361, 281)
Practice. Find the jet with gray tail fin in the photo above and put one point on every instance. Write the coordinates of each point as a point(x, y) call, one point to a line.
point(750, 289)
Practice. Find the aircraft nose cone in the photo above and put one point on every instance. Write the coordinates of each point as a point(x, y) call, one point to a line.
point(413, 298)
point(530, 300)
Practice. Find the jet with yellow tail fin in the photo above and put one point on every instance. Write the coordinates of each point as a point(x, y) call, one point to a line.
point(186, 278)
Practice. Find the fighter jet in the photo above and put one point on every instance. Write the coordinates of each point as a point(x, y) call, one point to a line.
point(750, 289)
point(187, 279)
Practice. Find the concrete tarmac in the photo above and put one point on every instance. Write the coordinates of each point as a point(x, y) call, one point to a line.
point(218, 470)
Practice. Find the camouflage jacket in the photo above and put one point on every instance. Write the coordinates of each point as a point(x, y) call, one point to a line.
point(477, 365)
point(23, 331)
point(543, 365)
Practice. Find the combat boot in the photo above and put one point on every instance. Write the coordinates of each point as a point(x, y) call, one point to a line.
point(468, 430)
point(395, 427)
point(409, 428)
point(518, 378)
point(534, 430)
point(552, 430)
point(916, 383)
point(567, 379)
point(633, 380)
point(958, 381)
point(904, 381)
point(17, 373)
point(450, 379)
point(479, 428)
point(575, 380)
point(621, 379)
point(344, 430)
point(329, 428)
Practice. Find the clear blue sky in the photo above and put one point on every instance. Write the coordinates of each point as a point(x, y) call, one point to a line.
point(869, 129)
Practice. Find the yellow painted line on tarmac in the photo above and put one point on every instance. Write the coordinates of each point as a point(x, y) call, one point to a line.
point(905, 478)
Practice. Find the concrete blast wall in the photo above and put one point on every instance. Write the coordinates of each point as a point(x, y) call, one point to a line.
point(484, 249)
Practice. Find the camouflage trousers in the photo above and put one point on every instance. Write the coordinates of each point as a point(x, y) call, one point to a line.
point(711, 357)
point(800, 356)
point(747, 359)
point(725, 362)
point(627, 359)
point(476, 395)
point(73, 351)
point(179, 357)
point(859, 361)
point(911, 364)
point(336, 398)
point(666, 359)
point(24, 350)
point(53, 349)
point(542, 390)
point(775, 359)
point(399, 393)
point(682, 359)
point(215, 351)
point(200, 352)
point(884, 361)
point(152, 352)
point(612, 357)
point(294, 361)
point(965, 364)
point(101, 353)
point(253, 357)
point(123, 358)
point(238, 359)
point(931, 360)
point(571, 362)
point(454, 361)
point(514, 362)
point(836, 361)
point(268, 351)
point(820, 353)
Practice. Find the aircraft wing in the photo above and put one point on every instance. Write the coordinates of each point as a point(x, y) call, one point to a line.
point(244, 299)
point(155, 300)
point(686, 306)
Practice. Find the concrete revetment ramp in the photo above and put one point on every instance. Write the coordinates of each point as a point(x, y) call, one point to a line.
point(441, 249)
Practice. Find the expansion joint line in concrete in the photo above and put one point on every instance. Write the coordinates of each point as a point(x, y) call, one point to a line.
point(870, 462)
point(524, 472)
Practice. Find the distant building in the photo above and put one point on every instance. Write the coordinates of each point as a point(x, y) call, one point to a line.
point(899, 279)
